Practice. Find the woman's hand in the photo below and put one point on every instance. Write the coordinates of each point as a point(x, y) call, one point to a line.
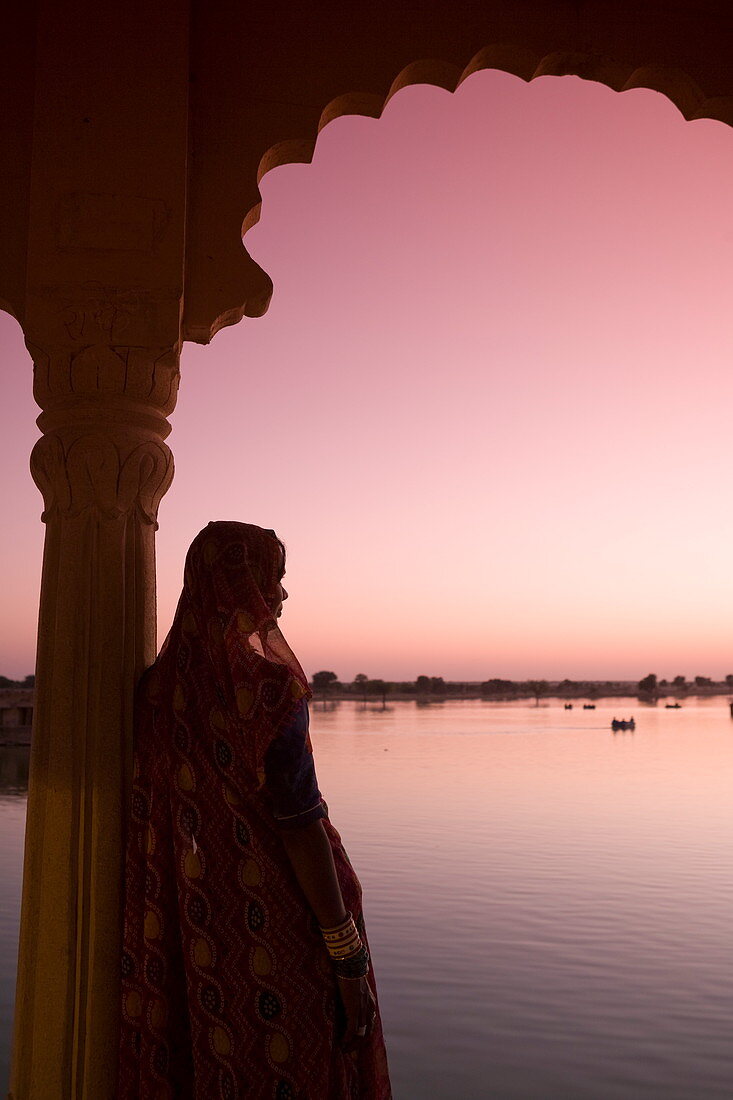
point(360, 1007)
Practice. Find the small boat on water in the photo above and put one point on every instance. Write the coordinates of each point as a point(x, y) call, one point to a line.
point(569, 706)
point(623, 724)
point(589, 706)
point(673, 706)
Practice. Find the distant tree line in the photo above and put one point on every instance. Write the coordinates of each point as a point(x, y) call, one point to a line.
point(327, 683)
point(650, 685)
point(363, 686)
point(437, 687)
point(28, 682)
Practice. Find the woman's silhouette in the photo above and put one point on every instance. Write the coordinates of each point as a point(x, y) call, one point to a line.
point(243, 972)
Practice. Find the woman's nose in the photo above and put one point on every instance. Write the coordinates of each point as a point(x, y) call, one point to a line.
point(285, 594)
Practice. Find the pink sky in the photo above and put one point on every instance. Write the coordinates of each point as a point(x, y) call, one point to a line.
point(490, 410)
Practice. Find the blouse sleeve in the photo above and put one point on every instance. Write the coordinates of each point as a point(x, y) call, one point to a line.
point(290, 776)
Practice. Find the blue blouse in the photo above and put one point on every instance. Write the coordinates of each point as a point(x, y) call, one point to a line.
point(290, 776)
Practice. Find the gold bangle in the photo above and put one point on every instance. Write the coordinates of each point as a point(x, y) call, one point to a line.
point(338, 927)
point(346, 943)
point(338, 932)
point(346, 952)
point(343, 940)
point(339, 941)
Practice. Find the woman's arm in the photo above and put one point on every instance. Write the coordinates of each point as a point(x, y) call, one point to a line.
point(309, 851)
point(310, 855)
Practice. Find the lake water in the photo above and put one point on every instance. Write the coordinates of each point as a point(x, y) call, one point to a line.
point(549, 903)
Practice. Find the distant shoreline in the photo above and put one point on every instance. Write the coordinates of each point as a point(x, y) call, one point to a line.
point(589, 694)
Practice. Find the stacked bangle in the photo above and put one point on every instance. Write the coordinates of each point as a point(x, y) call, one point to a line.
point(343, 940)
point(355, 967)
point(348, 954)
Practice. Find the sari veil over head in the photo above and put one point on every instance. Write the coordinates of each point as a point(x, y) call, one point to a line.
point(225, 663)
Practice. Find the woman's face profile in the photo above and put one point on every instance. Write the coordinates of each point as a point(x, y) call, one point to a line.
point(279, 595)
point(278, 599)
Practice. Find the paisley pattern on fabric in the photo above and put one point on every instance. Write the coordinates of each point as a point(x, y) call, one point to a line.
point(227, 989)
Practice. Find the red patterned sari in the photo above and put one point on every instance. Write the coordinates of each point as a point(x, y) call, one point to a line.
point(228, 991)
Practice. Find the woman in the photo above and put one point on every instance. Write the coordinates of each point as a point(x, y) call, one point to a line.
point(245, 967)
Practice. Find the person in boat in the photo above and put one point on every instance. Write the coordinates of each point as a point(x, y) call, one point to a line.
point(246, 970)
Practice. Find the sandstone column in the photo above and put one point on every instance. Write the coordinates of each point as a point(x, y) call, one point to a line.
point(101, 272)
point(102, 467)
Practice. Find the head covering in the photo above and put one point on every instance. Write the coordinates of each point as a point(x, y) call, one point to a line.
point(225, 670)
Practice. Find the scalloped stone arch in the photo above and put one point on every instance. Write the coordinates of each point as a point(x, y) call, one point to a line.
point(519, 61)
point(265, 90)
point(252, 287)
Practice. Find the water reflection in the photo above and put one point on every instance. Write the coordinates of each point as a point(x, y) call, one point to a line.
point(13, 792)
point(567, 887)
point(14, 760)
point(548, 900)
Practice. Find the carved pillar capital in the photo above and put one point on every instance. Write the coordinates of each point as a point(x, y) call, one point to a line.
point(96, 472)
point(104, 422)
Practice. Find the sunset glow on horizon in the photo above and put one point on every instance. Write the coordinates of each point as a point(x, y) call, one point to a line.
point(489, 408)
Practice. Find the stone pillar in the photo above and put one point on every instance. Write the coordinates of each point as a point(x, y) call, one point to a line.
point(102, 467)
